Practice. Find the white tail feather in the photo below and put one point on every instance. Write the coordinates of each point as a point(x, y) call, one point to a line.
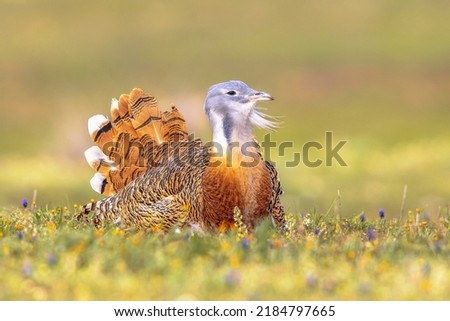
point(94, 156)
point(97, 182)
point(114, 104)
point(96, 122)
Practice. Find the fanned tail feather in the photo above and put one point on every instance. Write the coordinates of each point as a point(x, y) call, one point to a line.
point(174, 126)
point(146, 118)
point(121, 115)
point(125, 145)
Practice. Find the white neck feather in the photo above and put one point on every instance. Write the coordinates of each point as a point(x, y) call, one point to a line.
point(232, 131)
point(219, 139)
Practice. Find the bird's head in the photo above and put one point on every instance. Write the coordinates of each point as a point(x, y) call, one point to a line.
point(232, 111)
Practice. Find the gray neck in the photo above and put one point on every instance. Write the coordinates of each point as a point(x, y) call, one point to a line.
point(230, 132)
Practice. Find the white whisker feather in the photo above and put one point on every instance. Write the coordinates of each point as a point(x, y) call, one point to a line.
point(259, 119)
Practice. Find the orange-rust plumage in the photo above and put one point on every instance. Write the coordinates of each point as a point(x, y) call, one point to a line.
point(157, 177)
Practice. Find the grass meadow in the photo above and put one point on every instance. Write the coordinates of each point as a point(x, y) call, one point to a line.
point(47, 255)
point(375, 74)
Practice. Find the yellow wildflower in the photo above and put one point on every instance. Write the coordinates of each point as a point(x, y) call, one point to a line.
point(51, 226)
point(175, 263)
point(234, 261)
point(225, 246)
point(79, 247)
point(351, 255)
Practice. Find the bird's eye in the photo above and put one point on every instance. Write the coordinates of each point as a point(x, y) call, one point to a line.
point(231, 93)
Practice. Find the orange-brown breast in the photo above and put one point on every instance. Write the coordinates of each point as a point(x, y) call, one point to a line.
point(225, 187)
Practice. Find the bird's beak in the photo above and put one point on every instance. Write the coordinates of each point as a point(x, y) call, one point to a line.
point(260, 95)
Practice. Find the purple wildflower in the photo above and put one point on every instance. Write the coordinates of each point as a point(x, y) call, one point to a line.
point(245, 243)
point(381, 213)
point(316, 231)
point(27, 270)
point(311, 280)
point(25, 203)
point(362, 217)
point(51, 259)
point(426, 269)
point(371, 235)
point(232, 278)
point(19, 235)
point(438, 245)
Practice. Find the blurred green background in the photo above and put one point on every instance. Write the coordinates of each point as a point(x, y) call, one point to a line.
point(375, 73)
